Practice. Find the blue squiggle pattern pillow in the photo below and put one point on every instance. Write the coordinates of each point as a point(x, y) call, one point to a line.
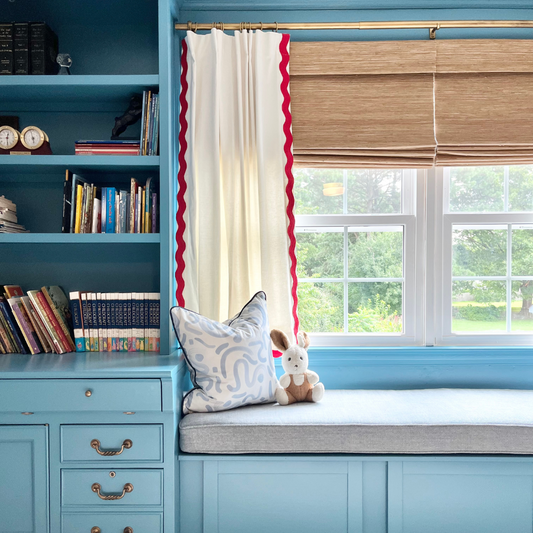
point(231, 363)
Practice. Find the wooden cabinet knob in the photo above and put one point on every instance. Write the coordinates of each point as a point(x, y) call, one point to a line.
point(88, 393)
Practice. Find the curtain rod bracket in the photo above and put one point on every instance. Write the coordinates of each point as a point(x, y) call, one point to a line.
point(433, 32)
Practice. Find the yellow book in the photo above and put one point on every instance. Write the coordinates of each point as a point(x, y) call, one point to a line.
point(79, 194)
point(143, 214)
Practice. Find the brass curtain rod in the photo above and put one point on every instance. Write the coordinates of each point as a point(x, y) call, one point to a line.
point(431, 25)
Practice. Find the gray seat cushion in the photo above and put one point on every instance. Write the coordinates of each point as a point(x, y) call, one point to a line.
point(432, 421)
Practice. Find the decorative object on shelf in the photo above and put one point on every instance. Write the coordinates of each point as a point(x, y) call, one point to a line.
point(65, 62)
point(8, 215)
point(298, 384)
point(131, 116)
point(31, 141)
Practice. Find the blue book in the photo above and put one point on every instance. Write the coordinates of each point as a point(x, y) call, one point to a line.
point(110, 207)
point(103, 214)
point(77, 321)
point(86, 316)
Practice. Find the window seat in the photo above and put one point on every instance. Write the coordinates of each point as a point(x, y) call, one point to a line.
point(431, 421)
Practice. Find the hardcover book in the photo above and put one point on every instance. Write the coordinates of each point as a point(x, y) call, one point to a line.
point(59, 304)
point(77, 320)
point(45, 318)
point(25, 325)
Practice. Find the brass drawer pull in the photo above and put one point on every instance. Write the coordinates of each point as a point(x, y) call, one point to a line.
point(96, 529)
point(95, 443)
point(96, 487)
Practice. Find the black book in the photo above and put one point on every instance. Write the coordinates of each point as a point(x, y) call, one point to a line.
point(6, 48)
point(43, 49)
point(67, 202)
point(21, 48)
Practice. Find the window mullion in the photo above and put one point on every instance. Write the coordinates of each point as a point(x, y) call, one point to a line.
point(345, 279)
point(509, 284)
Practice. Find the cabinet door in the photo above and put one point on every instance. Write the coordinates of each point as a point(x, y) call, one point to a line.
point(479, 496)
point(23, 479)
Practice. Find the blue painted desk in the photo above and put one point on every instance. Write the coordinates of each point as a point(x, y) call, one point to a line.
point(88, 443)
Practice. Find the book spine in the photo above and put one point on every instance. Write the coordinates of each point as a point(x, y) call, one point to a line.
point(43, 50)
point(96, 222)
point(143, 211)
point(13, 347)
point(12, 325)
point(21, 48)
point(112, 302)
point(79, 199)
point(67, 205)
point(5, 339)
point(117, 214)
point(6, 49)
point(103, 215)
point(100, 322)
point(145, 95)
point(25, 326)
point(142, 347)
point(60, 320)
point(154, 212)
point(77, 321)
point(156, 128)
point(138, 213)
point(144, 146)
point(129, 321)
point(110, 218)
point(95, 347)
point(109, 320)
point(146, 321)
point(36, 323)
point(86, 316)
point(65, 345)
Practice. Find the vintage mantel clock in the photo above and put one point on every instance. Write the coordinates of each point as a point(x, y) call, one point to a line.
point(31, 141)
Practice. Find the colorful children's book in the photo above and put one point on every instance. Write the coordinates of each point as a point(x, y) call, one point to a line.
point(60, 306)
point(25, 325)
point(77, 320)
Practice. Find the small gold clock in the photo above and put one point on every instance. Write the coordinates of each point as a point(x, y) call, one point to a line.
point(33, 137)
point(9, 137)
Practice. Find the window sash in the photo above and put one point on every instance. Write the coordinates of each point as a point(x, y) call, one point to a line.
point(413, 260)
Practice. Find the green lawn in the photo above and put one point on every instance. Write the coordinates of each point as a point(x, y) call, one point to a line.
point(464, 326)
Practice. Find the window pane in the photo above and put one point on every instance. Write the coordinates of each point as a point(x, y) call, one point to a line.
point(321, 307)
point(320, 253)
point(522, 306)
point(375, 307)
point(311, 195)
point(476, 189)
point(375, 254)
point(479, 252)
point(521, 188)
point(522, 258)
point(479, 306)
point(374, 191)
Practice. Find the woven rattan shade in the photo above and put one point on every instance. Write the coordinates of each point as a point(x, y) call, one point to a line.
point(363, 104)
point(412, 103)
point(484, 102)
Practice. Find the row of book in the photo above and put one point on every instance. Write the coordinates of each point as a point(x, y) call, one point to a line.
point(107, 147)
point(116, 322)
point(88, 208)
point(27, 48)
point(8, 217)
point(150, 124)
point(47, 321)
point(37, 322)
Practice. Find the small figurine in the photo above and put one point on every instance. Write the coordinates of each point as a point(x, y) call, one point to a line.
point(130, 116)
point(298, 384)
point(65, 62)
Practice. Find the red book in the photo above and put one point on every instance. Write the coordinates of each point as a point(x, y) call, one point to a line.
point(53, 320)
point(13, 290)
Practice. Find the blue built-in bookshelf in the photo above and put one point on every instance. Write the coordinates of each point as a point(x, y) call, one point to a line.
point(118, 48)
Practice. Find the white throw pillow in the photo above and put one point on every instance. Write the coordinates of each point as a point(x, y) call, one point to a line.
point(231, 364)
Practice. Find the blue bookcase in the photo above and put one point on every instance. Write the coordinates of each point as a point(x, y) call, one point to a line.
point(118, 48)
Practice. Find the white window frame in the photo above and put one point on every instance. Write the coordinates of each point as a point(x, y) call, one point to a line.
point(440, 330)
point(413, 222)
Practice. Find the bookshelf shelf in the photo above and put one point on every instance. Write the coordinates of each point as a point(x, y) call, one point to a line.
point(80, 238)
point(73, 88)
point(22, 164)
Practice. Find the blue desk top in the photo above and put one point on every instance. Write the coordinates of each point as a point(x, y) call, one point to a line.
point(89, 365)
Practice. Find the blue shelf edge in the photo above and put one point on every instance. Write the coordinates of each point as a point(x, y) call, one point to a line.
point(18, 163)
point(80, 80)
point(80, 238)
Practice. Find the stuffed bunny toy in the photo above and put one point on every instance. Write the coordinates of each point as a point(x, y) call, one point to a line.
point(297, 384)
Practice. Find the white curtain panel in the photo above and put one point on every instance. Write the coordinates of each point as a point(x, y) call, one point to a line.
point(235, 227)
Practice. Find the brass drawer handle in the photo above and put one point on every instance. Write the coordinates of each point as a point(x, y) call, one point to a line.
point(96, 487)
point(96, 529)
point(95, 443)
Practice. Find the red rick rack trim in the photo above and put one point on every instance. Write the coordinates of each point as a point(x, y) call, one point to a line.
point(283, 48)
point(182, 183)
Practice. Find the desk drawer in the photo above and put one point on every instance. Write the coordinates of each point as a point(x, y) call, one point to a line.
point(36, 395)
point(111, 522)
point(143, 442)
point(128, 487)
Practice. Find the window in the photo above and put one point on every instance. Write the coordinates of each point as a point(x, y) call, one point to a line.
point(374, 269)
point(356, 246)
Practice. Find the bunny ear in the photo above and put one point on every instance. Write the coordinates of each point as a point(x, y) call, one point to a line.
point(280, 340)
point(303, 340)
